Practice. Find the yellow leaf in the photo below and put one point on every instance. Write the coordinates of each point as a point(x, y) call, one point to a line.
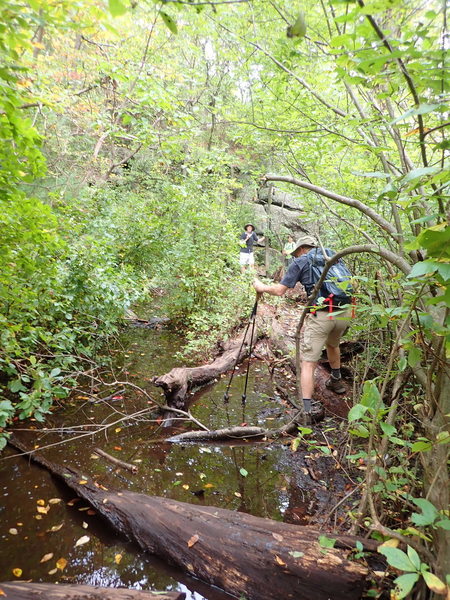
point(417, 130)
point(185, 486)
point(46, 557)
point(53, 571)
point(95, 456)
point(54, 500)
point(2, 593)
point(82, 482)
point(117, 429)
point(13, 531)
point(83, 540)
point(117, 558)
point(434, 583)
point(194, 539)
point(208, 485)
point(17, 572)
point(38, 517)
point(40, 502)
point(61, 564)
point(279, 561)
point(84, 525)
point(392, 543)
point(238, 494)
point(43, 510)
point(56, 527)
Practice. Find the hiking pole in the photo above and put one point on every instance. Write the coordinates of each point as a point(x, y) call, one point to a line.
point(251, 321)
point(244, 395)
point(250, 348)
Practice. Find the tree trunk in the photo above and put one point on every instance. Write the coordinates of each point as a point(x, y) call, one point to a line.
point(21, 590)
point(436, 476)
point(240, 553)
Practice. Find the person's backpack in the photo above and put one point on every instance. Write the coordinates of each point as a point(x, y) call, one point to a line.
point(329, 291)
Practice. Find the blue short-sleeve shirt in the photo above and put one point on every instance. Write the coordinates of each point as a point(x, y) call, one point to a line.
point(298, 270)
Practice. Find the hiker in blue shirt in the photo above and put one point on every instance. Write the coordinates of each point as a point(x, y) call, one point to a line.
point(324, 325)
point(247, 239)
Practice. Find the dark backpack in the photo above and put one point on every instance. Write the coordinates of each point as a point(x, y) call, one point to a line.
point(336, 274)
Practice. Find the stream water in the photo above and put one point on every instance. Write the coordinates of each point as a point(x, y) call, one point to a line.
point(40, 516)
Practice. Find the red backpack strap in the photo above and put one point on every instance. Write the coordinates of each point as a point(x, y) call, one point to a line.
point(329, 301)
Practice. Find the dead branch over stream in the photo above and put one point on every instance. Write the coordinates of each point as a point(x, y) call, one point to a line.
point(237, 552)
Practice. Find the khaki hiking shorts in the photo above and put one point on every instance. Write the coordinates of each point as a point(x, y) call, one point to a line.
point(320, 330)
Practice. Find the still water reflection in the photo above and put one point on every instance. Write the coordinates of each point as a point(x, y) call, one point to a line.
point(41, 521)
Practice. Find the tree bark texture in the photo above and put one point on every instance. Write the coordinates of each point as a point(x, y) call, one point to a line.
point(242, 554)
point(21, 590)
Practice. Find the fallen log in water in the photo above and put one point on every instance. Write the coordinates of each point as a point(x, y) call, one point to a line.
point(233, 433)
point(242, 554)
point(21, 590)
point(179, 381)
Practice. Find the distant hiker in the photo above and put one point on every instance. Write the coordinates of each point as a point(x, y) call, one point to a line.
point(326, 322)
point(247, 239)
point(288, 248)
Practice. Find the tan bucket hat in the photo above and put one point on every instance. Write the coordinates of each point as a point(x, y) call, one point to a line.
point(305, 240)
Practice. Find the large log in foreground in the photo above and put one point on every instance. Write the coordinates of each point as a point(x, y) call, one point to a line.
point(242, 554)
point(21, 590)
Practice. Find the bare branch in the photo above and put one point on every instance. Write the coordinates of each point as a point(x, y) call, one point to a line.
point(121, 162)
point(369, 212)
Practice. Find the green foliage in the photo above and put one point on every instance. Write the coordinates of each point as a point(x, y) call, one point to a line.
point(327, 542)
point(410, 562)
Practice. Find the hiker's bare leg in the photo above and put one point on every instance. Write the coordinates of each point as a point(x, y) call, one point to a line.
point(307, 378)
point(334, 356)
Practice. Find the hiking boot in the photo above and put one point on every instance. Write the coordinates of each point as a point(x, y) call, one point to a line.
point(335, 385)
point(315, 412)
